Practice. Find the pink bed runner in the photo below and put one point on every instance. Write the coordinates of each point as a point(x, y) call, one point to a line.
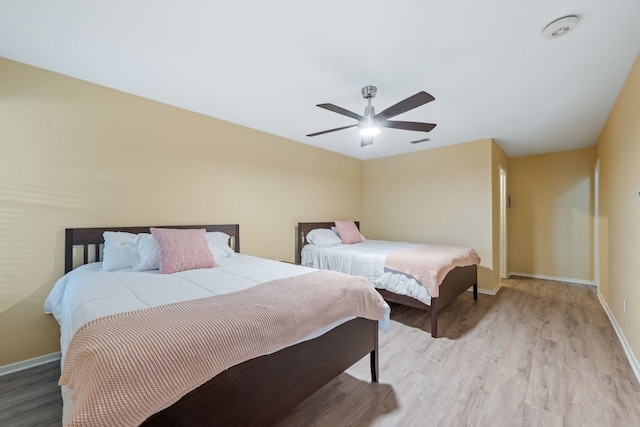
point(125, 367)
point(430, 264)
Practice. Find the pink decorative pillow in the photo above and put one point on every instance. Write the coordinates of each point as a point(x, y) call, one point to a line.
point(183, 249)
point(348, 232)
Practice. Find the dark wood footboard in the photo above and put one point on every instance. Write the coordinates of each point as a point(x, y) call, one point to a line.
point(262, 390)
point(458, 281)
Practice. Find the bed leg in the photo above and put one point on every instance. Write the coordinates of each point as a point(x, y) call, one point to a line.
point(475, 292)
point(374, 366)
point(434, 318)
point(373, 356)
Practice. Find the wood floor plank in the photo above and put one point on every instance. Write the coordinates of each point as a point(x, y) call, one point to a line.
point(504, 404)
point(534, 416)
point(539, 353)
point(548, 372)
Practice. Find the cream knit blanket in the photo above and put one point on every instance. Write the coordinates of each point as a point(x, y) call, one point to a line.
point(430, 264)
point(125, 367)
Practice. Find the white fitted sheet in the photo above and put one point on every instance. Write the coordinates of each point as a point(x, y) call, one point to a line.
point(366, 259)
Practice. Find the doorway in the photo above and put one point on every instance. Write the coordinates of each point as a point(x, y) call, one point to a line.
point(504, 203)
point(596, 224)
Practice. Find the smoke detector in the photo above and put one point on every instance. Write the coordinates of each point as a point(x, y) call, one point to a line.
point(560, 27)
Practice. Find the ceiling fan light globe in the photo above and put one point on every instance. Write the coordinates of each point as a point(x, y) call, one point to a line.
point(371, 130)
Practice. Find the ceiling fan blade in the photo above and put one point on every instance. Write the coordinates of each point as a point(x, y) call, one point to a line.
point(332, 130)
point(421, 127)
point(410, 103)
point(366, 140)
point(341, 110)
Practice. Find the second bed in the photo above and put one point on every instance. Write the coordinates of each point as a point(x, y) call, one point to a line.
point(367, 259)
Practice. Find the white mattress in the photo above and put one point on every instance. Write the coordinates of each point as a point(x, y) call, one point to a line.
point(366, 259)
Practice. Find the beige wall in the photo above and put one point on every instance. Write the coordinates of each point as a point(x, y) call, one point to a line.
point(618, 149)
point(76, 154)
point(550, 219)
point(443, 195)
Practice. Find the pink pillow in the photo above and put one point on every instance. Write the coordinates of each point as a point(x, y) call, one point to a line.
point(348, 232)
point(183, 249)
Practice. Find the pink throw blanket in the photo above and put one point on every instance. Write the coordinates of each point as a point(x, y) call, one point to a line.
point(430, 264)
point(125, 367)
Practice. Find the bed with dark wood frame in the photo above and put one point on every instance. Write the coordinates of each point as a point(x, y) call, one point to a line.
point(457, 281)
point(262, 390)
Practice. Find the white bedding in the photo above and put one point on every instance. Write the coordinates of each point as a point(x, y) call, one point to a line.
point(366, 259)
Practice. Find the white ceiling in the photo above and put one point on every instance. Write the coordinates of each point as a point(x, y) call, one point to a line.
point(266, 64)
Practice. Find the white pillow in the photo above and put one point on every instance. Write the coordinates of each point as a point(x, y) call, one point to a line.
point(219, 244)
point(119, 247)
point(323, 237)
point(147, 250)
point(147, 253)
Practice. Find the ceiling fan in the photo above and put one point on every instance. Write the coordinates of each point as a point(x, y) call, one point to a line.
point(370, 123)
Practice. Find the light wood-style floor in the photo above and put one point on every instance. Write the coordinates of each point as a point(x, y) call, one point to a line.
point(540, 353)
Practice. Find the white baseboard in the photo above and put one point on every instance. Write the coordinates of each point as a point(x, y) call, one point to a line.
point(554, 278)
point(491, 292)
point(486, 291)
point(623, 340)
point(30, 363)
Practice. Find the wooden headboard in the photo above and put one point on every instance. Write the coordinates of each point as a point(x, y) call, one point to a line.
point(304, 228)
point(92, 241)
